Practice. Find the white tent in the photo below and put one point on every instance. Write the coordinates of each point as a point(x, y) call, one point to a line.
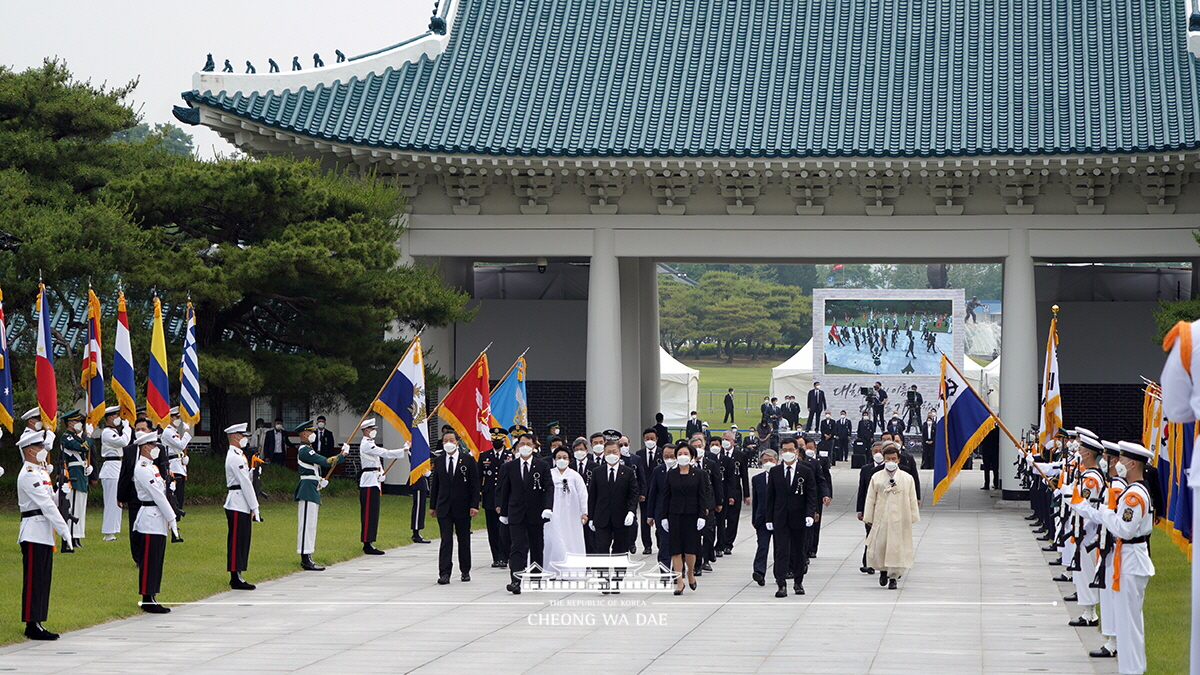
point(794, 377)
point(985, 380)
point(678, 389)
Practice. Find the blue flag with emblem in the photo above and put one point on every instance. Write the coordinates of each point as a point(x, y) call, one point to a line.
point(965, 422)
point(508, 398)
point(402, 404)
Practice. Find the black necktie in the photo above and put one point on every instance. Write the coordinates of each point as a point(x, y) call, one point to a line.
point(789, 475)
point(451, 467)
point(524, 470)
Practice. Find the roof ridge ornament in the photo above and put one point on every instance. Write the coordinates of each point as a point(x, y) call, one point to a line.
point(437, 24)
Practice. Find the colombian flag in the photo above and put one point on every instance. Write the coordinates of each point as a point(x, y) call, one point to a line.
point(158, 397)
point(122, 375)
point(468, 409)
point(47, 387)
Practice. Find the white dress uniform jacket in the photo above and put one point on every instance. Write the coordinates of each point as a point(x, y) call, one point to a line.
point(369, 457)
point(112, 442)
point(177, 444)
point(35, 492)
point(237, 479)
point(155, 519)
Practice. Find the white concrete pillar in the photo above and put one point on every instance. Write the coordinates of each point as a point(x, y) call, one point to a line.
point(1019, 370)
point(648, 275)
point(631, 352)
point(604, 331)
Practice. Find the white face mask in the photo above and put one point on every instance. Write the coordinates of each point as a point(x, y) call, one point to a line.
point(561, 463)
point(525, 451)
point(878, 457)
point(243, 442)
point(153, 453)
point(625, 450)
point(1122, 470)
point(683, 460)
point(37, 426)
point(310, 437)
point(1103, 464)
point(650, 445)
point(715, 449)
point(41, 456)
point(693, 417)
point(77, 427)
point(767, 466)
point(320, 425)
point(788, 457)
point(598, 449)
point(371, 434)
point(612, 459)
point(278, 427)
point(810, 453)
point(580, 455)
point(843, 415)
point(450, 448)
point(671, 463)
point(726, 444)
point(891, 466)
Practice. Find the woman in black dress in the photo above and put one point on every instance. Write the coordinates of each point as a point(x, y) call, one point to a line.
point(684, 507)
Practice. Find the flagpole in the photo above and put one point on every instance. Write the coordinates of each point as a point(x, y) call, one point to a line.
point(510, 368)
point(368, 411)
point(439, 405)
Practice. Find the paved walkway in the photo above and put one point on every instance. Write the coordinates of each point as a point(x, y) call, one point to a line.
point(979, 600)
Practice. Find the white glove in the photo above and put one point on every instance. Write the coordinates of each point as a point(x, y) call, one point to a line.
point(666, 525)
point(186, 427)
point(699, 524)
point(504, 521)
point(175, 530)
point(88, 429)
point(66, 487)
point(345, 448)
point(1, 471)
point(592, 525)
point(382, 477)
point(628, 519)
point(770, 527)
point(808, 522)
point(546, 514)
point(124, 423)
point(321, 484)
point(255, 515)
point(185, 460)
point(1029, 458)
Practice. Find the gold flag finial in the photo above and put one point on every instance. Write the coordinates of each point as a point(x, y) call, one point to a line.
point(1054, 308)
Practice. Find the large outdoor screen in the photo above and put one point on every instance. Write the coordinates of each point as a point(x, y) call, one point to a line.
point(887, 337)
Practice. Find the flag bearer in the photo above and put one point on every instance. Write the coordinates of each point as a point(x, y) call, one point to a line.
point(39, 520)
point(370, 477)
point(75, 459)
point(241, 507)
point(311, 466)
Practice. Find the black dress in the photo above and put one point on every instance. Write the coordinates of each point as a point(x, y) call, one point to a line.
point(686, 498)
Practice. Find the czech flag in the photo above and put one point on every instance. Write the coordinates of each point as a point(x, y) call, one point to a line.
point(6, 402)
point(47, 387)
point(189, 373)
point(468, 409)
point(158, 396)
point(92, 379)
point(402, 404)
point(122, 376)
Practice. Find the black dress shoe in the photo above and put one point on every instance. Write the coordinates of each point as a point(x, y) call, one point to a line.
point(1046, 537)
point(1050, 548)
point(883, 579)
point(306, 563)
point(1074, 597)
point(35, 631)
point(864, 569)
point(466, 576)
point(499, 563)
point(728, 550)
point(150, 605)
point(891, 584)
point(707, 567)
point(782, 592)
point(1083, 622)
point(1063, 578)
point(799, 589)
point(759, 578)
point(1031, 517)
point(1102, 653)
point(443, 580)
point(371, 550)
point(242, 585)
point(515, 589)
point(418, 539)
point(699, 572)
point(720, 553)
point(76, 543)
point(647, 551)
point(1054, 563)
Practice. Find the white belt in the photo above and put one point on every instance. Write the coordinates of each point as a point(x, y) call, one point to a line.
point(75, 464)
point(310, 478)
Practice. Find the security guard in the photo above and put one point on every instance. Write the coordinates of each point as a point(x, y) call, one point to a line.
point(176, 437)
point(154, 519)
point(241, 507)
point(369, 479)
point(75, 460)
point(311, 466)
point(490, 461)
point(39, 520)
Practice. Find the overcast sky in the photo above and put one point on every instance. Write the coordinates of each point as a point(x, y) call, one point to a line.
point(162, 43)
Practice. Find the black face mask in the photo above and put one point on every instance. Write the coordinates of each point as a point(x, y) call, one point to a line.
point(497, 444)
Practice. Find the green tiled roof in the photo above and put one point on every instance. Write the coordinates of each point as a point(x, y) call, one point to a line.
point(770, 78)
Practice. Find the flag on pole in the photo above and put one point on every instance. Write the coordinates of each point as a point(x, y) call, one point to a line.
point(6, 402)
point(1051, 403)
point(833, 333)
point(158, 395)
point(965, 421)
point(508, 398)
point(92, 379)
point(467, 407)
point(122, 375)
point(47, 387)
point(189, 373)
point(838, 267)
point(402, 404)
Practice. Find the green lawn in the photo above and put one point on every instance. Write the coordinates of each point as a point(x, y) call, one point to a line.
point(97, 583)
point(747, 377)
point(1167, 610)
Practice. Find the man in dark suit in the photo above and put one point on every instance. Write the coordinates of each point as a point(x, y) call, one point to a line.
point(895, 426)
point(827, 427)
point(865, 435)
point(654, 496)
point(661, 431)
point(454, 497)
point(641, 471)
point(881, 398)
point(708, 463)
point(758, 517)
point(792, 498)
point(737, 491)
point(928, 433)
point(324, 442)
point(490, 462)
point(816, 406)
point(276, 444)
point(526, 501)
point(843, 429)
point(790, 411)
point(728, 407)
point(820, 467)
point(612, 502)
point(912, 403)
point(694, 426)
point(651, 454)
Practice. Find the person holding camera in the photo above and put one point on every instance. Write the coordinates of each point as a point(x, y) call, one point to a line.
point(913, 405)
point(878, 402)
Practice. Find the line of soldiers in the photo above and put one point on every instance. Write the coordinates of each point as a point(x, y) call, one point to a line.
point(1095, 503)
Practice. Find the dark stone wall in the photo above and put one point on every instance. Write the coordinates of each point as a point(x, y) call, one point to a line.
point(1113, 411)
point(562, 401)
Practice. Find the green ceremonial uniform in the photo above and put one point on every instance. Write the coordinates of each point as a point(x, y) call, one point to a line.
point(74, 456)
point(309, 465)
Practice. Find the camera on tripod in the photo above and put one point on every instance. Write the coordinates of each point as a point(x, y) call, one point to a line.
point(868, 393)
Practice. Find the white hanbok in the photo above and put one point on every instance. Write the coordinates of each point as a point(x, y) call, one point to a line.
point(564, 532)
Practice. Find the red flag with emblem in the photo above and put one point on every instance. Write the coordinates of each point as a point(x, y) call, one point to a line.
point(468, 408)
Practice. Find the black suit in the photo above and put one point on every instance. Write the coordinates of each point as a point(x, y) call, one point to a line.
point(652, 460)
point(650, 509)
point(452, 497)
point(928, 432)
point(728, 409)
point(490, 462)
point(820, 466)
point(816, 406)
point(325, 445)
point(612, 496)
point(790, 411)
point(663, 434)
point(881, 398)
point(693, 427)
point(843, 429)
point(789, 503)
point(274, 446)
point(712, 467)
point(736, 486)
point(685, 498)
point(758, 517)
point(524, 494)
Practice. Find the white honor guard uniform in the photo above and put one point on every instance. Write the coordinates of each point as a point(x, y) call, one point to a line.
point(369, 478)
point(241, 504)
point(1091, 490)
point(112, 443)
point(154, 519)
point(1131, 523)
point(177, 444)
point(39, 520)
